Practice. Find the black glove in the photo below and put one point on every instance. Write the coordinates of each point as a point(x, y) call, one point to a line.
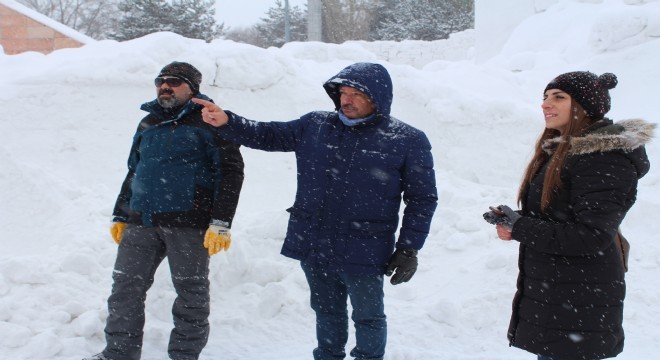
point(502, 215)
point(404, 261)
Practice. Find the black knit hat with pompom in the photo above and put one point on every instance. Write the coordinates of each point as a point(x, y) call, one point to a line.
point(588, 89)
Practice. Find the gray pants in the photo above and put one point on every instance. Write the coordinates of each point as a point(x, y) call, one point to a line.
point(141, 251)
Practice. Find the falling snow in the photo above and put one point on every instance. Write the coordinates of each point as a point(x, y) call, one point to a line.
point(65, 131)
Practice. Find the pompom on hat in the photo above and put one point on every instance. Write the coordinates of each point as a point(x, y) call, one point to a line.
point(185, 72)
point(588, 89)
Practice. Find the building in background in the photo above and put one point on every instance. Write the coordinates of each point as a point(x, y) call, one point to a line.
point(23, 29)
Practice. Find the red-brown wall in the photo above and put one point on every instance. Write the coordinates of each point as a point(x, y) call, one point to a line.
point(19, 33)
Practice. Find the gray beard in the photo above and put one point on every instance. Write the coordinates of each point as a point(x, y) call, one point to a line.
point(170, 103)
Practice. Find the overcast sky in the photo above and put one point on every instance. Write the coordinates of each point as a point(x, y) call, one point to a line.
point(245, 13)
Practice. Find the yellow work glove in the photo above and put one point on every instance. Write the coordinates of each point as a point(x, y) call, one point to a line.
point(217, 238)
point(117, 231)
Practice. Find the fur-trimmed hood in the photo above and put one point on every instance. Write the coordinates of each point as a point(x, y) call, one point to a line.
point(628, 136)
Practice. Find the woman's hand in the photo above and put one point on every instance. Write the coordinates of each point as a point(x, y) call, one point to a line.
point(503, 233)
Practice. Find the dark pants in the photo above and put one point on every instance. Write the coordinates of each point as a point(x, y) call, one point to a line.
point(543, 357)
point(141, 251)
point(329, 294)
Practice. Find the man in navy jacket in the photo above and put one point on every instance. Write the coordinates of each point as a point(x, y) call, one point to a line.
point(355, 164)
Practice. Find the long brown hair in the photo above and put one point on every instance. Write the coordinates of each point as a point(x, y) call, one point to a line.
point(578, 123)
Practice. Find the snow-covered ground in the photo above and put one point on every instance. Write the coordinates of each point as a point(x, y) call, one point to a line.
point(66, 124)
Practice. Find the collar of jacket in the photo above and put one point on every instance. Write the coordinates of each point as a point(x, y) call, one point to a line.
point(353, 122)
point(370, 121)
point(604, 135)
point(154, 108)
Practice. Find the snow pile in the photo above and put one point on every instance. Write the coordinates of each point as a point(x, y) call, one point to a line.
point(65, 132)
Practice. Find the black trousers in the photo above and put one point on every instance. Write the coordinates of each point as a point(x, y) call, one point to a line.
point(141, 251)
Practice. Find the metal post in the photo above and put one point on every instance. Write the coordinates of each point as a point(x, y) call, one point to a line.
point(287, 22)
point(314, 20)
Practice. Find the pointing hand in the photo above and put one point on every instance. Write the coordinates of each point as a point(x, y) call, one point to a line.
point(212, 113)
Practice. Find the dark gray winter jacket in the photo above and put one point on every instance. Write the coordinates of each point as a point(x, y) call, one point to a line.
point(181, 173)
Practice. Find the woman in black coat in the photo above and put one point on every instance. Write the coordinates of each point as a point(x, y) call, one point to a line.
point(578, 187)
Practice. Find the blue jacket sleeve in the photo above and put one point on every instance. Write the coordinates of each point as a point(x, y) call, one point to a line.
point(267, 136)
point(122, 205)
point(420, 195)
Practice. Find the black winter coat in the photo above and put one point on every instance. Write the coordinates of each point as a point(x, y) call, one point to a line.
point(571, 286)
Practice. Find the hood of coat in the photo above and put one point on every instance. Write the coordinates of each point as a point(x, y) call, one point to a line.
point(628, 136)
point(372, 79)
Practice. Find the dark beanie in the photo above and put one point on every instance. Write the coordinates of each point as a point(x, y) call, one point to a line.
point(185, 72)
point(588, 89)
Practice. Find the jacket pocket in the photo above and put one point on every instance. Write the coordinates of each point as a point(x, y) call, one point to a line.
point(368, 242)
point(298, 241)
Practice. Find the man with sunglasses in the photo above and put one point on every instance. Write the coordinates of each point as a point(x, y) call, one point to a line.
point(177, 201)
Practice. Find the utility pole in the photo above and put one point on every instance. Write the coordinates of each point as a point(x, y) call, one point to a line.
point(314, 20)
point(287, 22)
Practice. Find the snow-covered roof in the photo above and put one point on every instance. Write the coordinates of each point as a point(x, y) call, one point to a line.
point(41, 18)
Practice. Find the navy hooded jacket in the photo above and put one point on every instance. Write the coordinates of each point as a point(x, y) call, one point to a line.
point(351, 179)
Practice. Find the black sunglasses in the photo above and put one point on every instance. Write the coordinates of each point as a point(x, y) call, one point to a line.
point(172, 82)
